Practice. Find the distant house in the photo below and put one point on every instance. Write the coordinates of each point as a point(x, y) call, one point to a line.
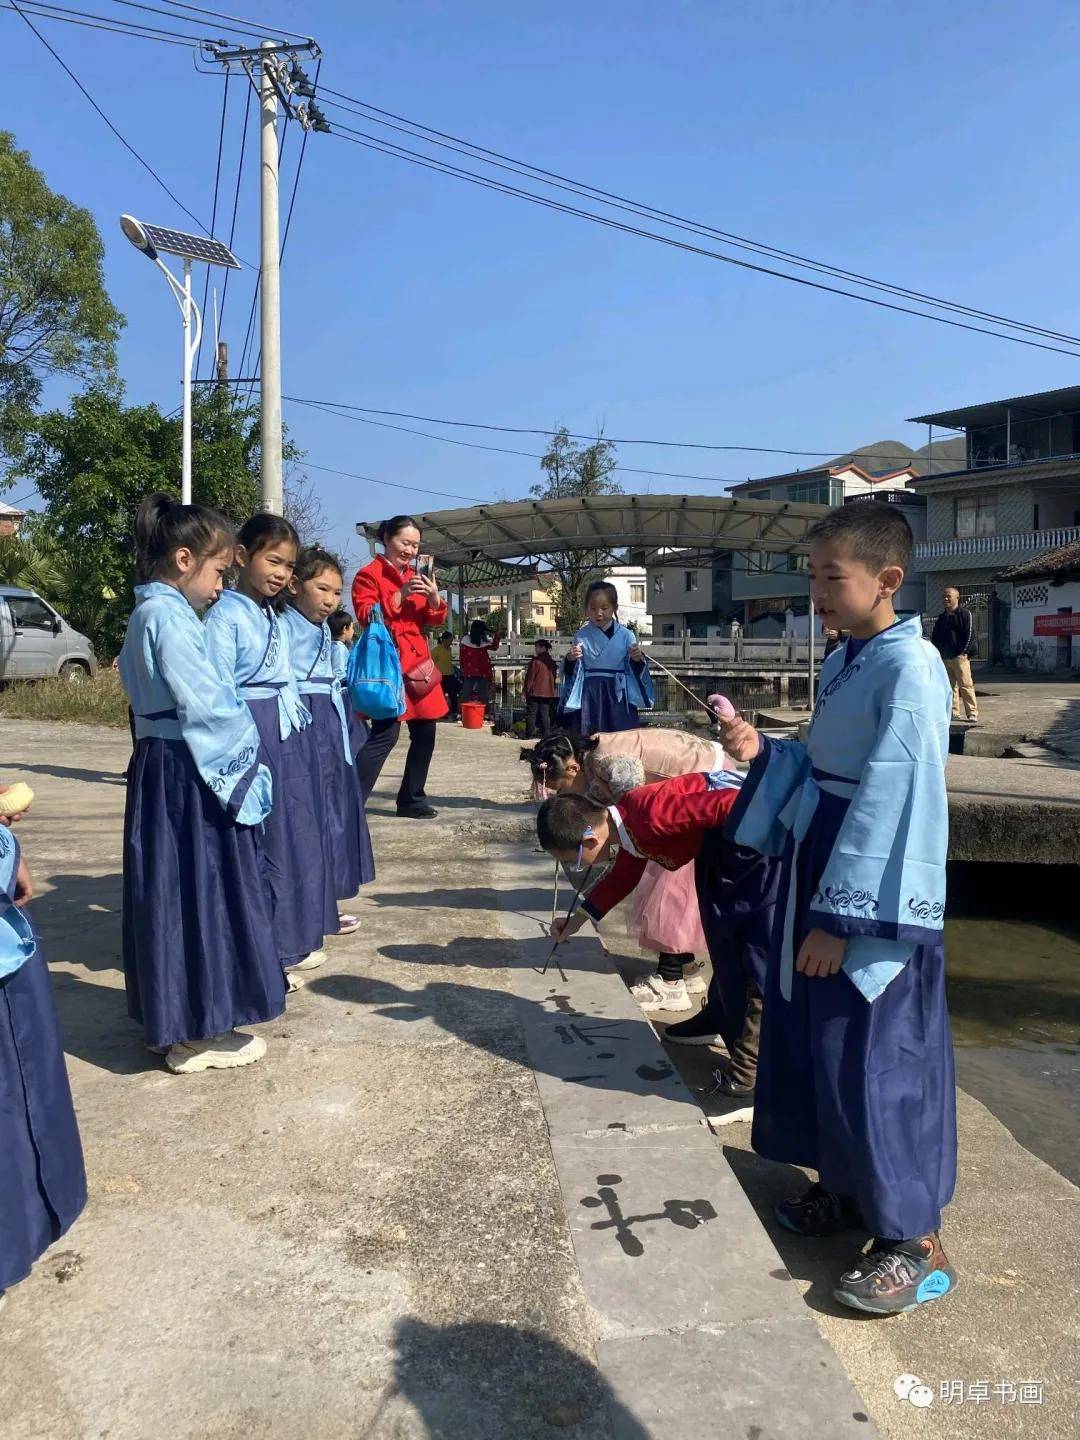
point(10, 520)
point(1015, 495)
point(1044, 609)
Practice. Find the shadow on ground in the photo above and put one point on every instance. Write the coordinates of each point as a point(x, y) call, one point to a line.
point(493, 1382)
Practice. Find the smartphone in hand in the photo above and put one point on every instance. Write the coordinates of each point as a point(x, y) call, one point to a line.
point(425, 565)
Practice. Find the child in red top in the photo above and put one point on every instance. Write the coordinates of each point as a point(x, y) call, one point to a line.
point(541, 691)
point(673, 822)
point(476, 667)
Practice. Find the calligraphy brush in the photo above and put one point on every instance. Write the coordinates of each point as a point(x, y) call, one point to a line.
point(569, 913)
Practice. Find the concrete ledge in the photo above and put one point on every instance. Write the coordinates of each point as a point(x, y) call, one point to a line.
point(701, 1330)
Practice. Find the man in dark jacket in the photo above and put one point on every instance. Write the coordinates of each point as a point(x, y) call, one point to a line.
point(954, 638)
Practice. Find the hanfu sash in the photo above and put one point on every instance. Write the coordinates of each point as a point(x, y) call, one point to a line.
point(265, 681)
point(319, 678)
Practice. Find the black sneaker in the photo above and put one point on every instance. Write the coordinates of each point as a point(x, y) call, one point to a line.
point(698, 1030)
point(818, 1212)
point(730, 1089)
point(897, 1275)
point(417, 812)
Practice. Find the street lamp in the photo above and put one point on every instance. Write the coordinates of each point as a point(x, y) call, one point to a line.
point(150, 239)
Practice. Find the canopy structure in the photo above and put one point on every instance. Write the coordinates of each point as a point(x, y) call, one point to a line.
point(644, 524)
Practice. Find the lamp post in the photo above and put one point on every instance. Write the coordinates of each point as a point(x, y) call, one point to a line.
point(150, 239)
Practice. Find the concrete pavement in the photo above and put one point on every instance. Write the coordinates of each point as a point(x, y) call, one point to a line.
point(389, 1228)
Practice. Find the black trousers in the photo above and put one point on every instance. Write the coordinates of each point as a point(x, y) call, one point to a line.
point(539, 716)
point(452, 690)
point(372, 758)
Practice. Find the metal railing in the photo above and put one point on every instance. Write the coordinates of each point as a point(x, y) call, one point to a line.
point(777, 650)
point(749, 694)
point(998, 545)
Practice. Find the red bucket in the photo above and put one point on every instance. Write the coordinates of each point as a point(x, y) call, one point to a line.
point(472, 714)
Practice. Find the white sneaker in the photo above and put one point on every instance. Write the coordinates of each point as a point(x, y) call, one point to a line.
point(293, 982)
point(309, 962)
point(220, 1052)
point(652, 993)
point(694, 979)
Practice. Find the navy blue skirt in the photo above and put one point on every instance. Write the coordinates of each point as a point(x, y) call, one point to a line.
point(358, 731)
point(348, 844)
point(199, 951)
point(862, 1092)
point(43, 1187)
point(601, 709)
point(302, 893)
point(737, 891)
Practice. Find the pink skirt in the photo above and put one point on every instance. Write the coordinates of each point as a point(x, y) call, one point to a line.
point(664, 912)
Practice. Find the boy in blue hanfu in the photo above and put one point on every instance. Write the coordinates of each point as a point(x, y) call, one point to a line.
point(605, 674)
point(855, 1078)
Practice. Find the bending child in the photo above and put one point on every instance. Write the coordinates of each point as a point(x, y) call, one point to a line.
point(856, 1077)
point(675, 823)
point(605, 674)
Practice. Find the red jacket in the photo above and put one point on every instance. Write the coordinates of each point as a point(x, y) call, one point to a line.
point(662, 822)
point(406, 618)
point(541, 678)
point(475, 660)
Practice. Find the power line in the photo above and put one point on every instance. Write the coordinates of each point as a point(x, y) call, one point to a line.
point(126, 143)
point(248, 32)
point(256, 27)
point(444, 140)
point(324, 408)
point(578, 435)
point(109, 24)
point(213, 220)
point(413, 157)
point(393, 484)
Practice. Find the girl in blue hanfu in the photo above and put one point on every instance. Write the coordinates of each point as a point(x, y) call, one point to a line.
point(856, 1068)
point(198, 943)
point(43, 1187)
point(605, 674)
point(314, 595)
point(248, 645)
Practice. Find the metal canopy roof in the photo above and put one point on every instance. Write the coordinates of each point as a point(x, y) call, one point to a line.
point(524, 528)
point(1042, 405)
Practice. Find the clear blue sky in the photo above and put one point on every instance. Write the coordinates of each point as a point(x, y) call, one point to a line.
point(932, 146)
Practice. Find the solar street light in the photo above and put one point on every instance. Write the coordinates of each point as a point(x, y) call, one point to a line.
point(152, 239)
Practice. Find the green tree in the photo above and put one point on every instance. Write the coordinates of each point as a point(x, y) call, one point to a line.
point(55, 314)
point(93, 463)
point(571, 469)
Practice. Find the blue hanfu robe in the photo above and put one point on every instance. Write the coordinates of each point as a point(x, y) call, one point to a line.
point(343, 824)
point(605, 689)
point(358, 734)
point(42, 1181)
point(855, 1076)
point(197, 936)
point(248, 645)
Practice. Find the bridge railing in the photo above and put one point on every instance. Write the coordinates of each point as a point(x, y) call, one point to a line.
point(776, 650)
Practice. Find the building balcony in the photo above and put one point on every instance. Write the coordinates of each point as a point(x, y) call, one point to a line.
point(986, 552)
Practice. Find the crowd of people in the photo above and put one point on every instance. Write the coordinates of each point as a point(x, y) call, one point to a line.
point(814, 882)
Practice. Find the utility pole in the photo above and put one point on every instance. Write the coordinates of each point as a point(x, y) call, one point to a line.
point(222, 362)
point(270, 306)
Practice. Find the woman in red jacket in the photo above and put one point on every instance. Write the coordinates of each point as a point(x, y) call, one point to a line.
point(410, 604)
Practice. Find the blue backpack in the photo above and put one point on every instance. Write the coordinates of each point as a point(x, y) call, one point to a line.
point(373, 674)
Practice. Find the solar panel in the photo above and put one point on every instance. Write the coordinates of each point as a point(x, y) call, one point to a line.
point(191, 247)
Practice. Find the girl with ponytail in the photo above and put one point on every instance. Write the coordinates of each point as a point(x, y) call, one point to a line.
point(197, 937)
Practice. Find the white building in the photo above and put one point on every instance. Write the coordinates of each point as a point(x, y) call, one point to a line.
point(629, 581)
point(1044, 610)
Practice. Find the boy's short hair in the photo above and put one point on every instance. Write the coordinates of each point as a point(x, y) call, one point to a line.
point(541, 641)
point(339, 622)
point(447, 635)
point(562, 820)
point(875, 533)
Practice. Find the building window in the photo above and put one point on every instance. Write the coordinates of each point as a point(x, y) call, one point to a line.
point(690, 580)
point(757, 562)
point(658, 585)
point(797, 564)
point(637, 594)
point(667, 632)
point(975, 515)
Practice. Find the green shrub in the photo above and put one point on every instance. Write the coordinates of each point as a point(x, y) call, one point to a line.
point(97, 700)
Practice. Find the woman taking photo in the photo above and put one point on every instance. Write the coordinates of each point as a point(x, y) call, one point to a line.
point(410, 604)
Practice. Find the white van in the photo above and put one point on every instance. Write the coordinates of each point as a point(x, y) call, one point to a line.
point(36, 642)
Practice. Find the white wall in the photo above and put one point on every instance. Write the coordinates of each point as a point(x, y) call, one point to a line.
point(631, 612)
point(1037, 597)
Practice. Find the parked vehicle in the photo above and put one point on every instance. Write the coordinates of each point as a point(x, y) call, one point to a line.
point(36, 642)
